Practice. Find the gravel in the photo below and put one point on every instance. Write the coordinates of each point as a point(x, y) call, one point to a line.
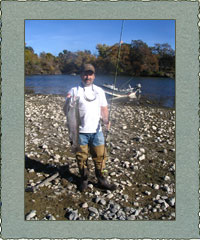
point(141, 163)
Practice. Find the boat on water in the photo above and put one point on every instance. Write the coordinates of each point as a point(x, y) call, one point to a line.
point(131, 92)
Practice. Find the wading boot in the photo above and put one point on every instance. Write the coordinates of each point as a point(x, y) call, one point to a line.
point(84, 179)
point(103, 182)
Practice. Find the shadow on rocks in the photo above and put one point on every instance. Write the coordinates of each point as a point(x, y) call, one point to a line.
point(64, 171)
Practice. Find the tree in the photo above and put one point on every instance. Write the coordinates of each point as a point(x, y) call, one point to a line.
point(142, 60)
point(166, 57)
point(32, 62)
point(49, 64)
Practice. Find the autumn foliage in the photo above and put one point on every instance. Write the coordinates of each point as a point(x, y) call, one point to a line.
point(136, 59)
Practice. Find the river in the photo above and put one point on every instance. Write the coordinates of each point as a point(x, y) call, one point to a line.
point(159, 89)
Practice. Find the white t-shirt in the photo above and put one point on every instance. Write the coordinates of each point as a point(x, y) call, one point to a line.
point(90, 111)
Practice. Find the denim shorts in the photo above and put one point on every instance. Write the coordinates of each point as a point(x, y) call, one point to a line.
point(91, 139)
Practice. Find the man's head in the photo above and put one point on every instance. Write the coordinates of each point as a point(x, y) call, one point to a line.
point(87, 74)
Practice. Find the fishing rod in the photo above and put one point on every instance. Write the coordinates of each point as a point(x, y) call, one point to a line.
point(114, 82)
point(117, 65)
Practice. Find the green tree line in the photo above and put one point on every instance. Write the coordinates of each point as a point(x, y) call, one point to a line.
point(136, 59)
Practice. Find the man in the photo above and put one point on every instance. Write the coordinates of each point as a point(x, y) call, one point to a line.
point(92, 107)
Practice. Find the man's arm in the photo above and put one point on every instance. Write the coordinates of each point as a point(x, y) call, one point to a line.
point(105, 115)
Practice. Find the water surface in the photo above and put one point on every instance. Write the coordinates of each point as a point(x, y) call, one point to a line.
point(159, 89)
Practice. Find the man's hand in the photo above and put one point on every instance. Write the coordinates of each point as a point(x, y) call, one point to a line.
point(107, 124)
point(104, 114)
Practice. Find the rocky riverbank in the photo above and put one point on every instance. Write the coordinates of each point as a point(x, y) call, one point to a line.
point(141, 163)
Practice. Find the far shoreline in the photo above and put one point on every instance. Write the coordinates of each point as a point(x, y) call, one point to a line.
point(166, 75)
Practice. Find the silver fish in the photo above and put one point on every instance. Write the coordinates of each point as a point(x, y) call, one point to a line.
point(73, 121)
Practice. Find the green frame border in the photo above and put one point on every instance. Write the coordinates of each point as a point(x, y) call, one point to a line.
point(187, 121)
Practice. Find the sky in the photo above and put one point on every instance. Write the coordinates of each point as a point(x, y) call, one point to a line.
point(54, 36)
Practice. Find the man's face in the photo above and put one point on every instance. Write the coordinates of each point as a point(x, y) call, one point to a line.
point(87, 78)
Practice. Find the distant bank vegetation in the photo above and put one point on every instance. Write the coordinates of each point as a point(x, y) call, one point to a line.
point(136, 59)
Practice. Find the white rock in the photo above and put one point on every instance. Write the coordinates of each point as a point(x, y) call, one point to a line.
point(31, 215)
point(136, 204)
point(123, 182)
point(110, 195)
point(36, 141)
point(142, 157)
point(97, 193)
point(166, 178)
point(142, 150)
point(44, 146)
point(157, 197)
point(173, 214)
point(116, 160)
point(90, 186)
point(57, 157)
point(172, 202)
point(165, 151)
point(126, 164)
point(156, 186)
point(85, 205)
point(137, 212)
point(147, 193)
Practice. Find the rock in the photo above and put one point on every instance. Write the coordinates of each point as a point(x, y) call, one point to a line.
point(156, 186)
point(123, 182)
point(50, 217)
point(171, 201)
point(102, 201)
point(114, 208)
point(73, 215)
point(97, 193)
point(165, 151)
point(70, 187)
point(84, 205)
point(126, 197)
point(136, 204)
point(90, 186)
point(148, 193)
point(166, 178)
point(142, 157)
point(121, 215)
point(167, 188)
point(57, 157)
point(154, 210)
point(164, 205)
point(142, 150)
point(97, 199)
point(135, 167)
point(127, 209)
point(126, 164)
point(93, 210)
point(31, 215)
point(116, 160)
point(36, 141)
point(173, 214)
point(44, 146)
point(110, 195)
